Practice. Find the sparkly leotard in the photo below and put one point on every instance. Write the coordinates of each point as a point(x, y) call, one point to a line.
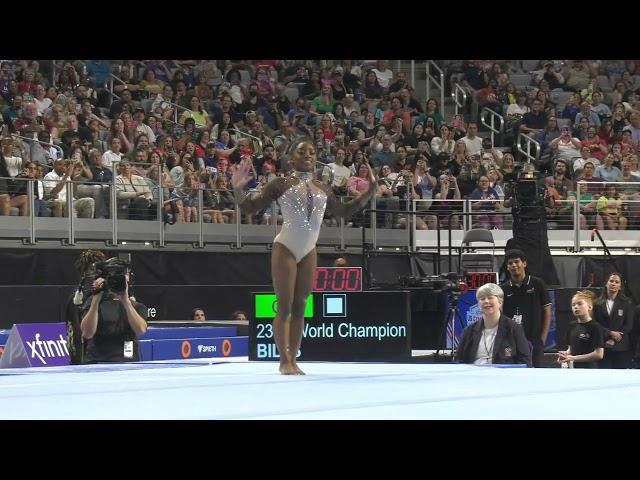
point(302, 211)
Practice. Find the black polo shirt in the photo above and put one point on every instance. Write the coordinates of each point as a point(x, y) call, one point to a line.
point(585, 338)
point(528, 300)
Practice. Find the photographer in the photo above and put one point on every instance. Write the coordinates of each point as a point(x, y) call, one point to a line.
point(112, 320)
point(86, 268)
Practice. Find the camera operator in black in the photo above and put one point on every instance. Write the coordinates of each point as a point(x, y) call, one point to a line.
point(86, 268)
point(528, 198)
point(112, 320)
point(527, 302)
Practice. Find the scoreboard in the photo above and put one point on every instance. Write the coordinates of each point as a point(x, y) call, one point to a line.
point(350, 327)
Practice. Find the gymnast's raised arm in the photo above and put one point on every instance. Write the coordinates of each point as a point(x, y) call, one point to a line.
point(249, 205)
point(346, 210)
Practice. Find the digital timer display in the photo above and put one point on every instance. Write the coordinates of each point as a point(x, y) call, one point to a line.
point(477, 279)
point(338, 279)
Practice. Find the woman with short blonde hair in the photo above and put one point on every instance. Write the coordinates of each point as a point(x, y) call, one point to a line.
point(495, 338)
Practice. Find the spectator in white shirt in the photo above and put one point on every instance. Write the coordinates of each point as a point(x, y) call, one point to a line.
point(55, 188)
point(474, 143)
point(383, 74)
point(112, 155)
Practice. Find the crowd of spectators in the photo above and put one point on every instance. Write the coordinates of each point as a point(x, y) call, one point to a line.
point(159, 130)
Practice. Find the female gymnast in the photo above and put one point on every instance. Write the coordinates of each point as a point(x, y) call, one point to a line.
point(303, 201)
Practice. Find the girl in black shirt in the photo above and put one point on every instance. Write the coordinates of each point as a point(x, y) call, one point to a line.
point(586, 345)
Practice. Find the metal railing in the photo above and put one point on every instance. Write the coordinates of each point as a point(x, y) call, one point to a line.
point(438, 84)
point(177, 107)
point(569, 227)
point(410, 228)
point(34, 140)
point(112, 95)
point(459, 91)
point(523, 138)
point(248, 135)
point(108, 85)
point(500, 130)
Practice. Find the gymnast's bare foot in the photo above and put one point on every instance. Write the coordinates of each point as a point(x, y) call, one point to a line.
point(286, 368)
point(287, 365)
point(298, 371)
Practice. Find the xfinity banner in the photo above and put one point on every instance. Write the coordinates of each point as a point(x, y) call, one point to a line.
point(36, 345)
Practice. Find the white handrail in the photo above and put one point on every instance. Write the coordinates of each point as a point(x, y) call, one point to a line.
point(457, 89)
point(440, 84)
point(527, 152)
point(60, 151)
point(248, 135)
point(491, 127)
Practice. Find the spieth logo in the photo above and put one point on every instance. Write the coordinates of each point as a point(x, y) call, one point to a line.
point(474, 314)
point(207, 348)
point(48, 348)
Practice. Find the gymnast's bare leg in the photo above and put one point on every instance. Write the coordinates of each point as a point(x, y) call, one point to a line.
point(283, 273)
point(304, 286)
point(292, 284)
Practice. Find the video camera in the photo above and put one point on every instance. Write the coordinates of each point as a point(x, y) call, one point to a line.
point(113, 271)
point(447, 282)
point(528, 195)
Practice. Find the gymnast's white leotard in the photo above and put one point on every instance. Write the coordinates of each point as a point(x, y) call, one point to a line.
point(303, 209)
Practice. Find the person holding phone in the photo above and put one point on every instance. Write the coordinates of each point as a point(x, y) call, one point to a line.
point(485, 199)
point(432, 111)
point(490, 155)
point(565, 146)
point(55, 188)
point(303, 201)
point(458, 127)
point(448, 192)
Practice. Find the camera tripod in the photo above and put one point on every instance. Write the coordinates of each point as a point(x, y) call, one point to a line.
point(448, 329)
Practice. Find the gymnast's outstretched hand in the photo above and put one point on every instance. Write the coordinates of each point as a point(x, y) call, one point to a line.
point(242, 175)
point(373, 182)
